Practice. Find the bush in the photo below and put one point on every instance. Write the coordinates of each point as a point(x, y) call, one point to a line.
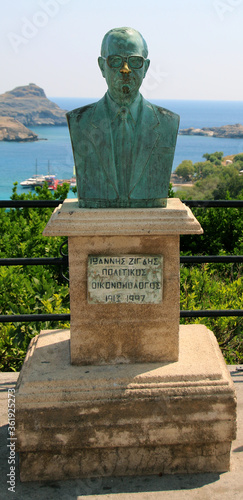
point(185, 170)
point(28, 289)
point(205, 287)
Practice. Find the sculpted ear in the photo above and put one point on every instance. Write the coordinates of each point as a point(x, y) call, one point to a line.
point(146, 66)
point(101, 63)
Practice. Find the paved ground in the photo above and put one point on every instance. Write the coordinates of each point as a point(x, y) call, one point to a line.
point(184, 487)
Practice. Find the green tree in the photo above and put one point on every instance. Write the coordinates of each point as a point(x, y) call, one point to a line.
point(204, 169)
point(185, 170)
point(214, 180)
point(238, 165)
point(223, 232)
point(218, 155)
point(238, 157)
point(230, 184)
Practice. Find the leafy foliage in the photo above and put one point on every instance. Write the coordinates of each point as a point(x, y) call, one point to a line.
point(223, 232)
point(216, 286)
point(213, 180)
point(209, 287)
point(28, 289)
point(238, 157)
point(218, 155)
point(185, 170)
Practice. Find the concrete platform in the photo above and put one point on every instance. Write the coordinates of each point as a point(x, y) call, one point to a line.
point(211, 486)
point(125, 419)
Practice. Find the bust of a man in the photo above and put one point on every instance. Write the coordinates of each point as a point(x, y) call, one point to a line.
point(123, 145)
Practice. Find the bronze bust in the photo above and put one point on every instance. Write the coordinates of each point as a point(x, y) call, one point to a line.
point(123, 145)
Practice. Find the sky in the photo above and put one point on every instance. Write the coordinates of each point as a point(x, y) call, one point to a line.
point(195, 46)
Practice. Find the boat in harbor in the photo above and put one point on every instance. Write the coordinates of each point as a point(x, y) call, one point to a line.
point(38, 180)
point(32, 182)
point(52, 181)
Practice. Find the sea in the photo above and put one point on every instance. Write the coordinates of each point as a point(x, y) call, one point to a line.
point(53, 154)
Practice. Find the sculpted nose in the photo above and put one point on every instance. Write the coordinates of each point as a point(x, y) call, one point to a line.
point(125, 69)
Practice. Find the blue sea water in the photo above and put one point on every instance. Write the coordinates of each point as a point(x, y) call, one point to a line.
point(17, 161)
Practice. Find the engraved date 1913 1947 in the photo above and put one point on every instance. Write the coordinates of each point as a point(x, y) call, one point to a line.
point(126, 279)
point(117, 299)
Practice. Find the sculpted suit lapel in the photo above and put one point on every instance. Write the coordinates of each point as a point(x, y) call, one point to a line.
point(146, 138)
point(147, 135)
point(102, 141)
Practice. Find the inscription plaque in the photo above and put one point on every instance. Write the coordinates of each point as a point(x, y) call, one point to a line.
point(125, 279)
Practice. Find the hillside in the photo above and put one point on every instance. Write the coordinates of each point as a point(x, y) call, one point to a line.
point(29, 105)
point(13, 130)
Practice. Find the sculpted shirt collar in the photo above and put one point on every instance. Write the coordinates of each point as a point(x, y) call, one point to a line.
point(114, 108)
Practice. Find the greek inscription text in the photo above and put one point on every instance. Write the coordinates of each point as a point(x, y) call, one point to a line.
point(124, 277)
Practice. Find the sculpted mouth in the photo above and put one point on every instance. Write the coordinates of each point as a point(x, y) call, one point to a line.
point(125, 85)
point(125, 89)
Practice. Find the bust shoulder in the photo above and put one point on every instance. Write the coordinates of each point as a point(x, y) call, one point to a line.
point(164, 113)
point(80, 113)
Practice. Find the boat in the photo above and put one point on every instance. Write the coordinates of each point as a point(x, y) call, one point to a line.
point(35, 180)
point(52, 181)
point(38, 180)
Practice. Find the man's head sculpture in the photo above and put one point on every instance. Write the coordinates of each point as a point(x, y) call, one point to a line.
point(123, 145)
point(123, 63)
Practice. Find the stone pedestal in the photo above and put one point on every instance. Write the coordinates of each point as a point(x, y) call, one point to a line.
point(133, 332)
point(125, 391)
point(134, 419)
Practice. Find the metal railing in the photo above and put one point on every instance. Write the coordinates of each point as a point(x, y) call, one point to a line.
point(63, 261)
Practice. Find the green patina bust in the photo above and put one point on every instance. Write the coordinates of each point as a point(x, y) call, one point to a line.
point(123, 145)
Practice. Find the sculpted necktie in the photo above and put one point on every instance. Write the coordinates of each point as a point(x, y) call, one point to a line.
point(123, 147)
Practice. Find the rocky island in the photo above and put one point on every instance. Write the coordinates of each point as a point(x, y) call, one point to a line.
point(13, 130)
point(226, 131)
point(27, 106)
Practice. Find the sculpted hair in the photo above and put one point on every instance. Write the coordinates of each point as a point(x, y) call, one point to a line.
point(123, 32)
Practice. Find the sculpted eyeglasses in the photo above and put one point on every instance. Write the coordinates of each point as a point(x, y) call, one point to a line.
point(134, 62)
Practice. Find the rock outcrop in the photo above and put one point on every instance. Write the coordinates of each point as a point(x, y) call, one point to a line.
point(226, 131)
point(29, 105)
point(13, 130)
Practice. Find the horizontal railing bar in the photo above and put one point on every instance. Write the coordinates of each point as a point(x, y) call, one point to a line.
point(29, 203)
point(214, 203)
point(211, 313)
point(199, 259)
point(55, 203)
point(34, 261)
point(184, 259)
point(21, 318)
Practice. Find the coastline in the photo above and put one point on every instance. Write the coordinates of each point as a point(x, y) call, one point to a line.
point(182, 184)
